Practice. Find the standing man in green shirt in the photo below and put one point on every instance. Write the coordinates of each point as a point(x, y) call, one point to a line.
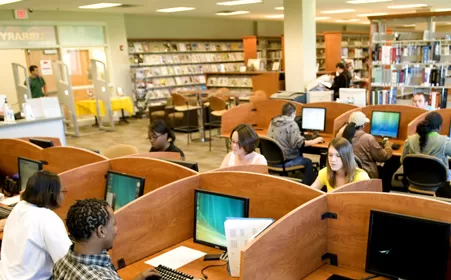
point(37, 84)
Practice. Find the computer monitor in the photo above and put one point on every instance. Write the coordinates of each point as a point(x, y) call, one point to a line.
point(407, 247)
point(42, 142)
point(385, 124)
point(356, 96)
point(27, 167)
point(122, 189)
point(313, 118)
point(187, 164)
point(210, 212)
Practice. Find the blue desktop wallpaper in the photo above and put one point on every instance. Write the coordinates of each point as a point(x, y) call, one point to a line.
point(385, 124)
point(212, 211)
point(125, 188)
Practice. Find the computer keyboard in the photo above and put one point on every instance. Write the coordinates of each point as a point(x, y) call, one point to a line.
point(168, 273)
point(4, 212)
point(395, 146)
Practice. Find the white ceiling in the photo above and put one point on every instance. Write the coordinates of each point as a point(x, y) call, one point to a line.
point(208, 8)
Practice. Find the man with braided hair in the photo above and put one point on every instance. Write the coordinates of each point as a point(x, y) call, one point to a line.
point(92, 225)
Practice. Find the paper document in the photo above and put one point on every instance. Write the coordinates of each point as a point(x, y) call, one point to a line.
point(10, 200)
point(176, 258)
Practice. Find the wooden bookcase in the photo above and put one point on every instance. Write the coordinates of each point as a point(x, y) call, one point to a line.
point(321, 52)
point(268, 49)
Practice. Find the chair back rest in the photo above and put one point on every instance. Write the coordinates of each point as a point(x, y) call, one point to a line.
point(271, 150)
point(216, 103)
point(178, 99)
point(424, 171)
point(120, 151)
point(258, 95)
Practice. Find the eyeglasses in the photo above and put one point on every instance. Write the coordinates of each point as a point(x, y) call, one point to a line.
point(234, 142)
point(153, 136)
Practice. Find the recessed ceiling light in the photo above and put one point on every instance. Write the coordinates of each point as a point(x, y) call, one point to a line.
point(238, 2)
point(338, 11)
point(232, 13)
point(100, 6)
point(442, 10)
point(348, 20)
point(279, 8)
point(366, 1)
point(275, 16)
point(321, 18)
point(4, 2)
point(407, 6)
point(175, 9)
point(409, 25)
point(373, 14)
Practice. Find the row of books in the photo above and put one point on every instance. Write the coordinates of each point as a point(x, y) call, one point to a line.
point(411, 53)
point(412, 76)
point(270, 55)
point(176, 81)
point(149, 72)
point(411, 36)
point(355, 43)
point(139, 47)
point(154, 59)
point(382, 97)
point(165, 92)
point(230, 82)
point(353, 53)
point(270, 45)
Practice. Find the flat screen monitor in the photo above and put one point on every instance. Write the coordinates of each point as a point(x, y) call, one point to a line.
point(187, 164)
point(122, 189)
point(407, 247)
point(42, 142)
point(210, 212)
point(27, 167)
point(313, 119)
point(385, 124)
point(356, 96)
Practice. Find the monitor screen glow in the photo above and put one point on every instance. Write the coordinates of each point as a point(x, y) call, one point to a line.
point(314, 119)
point(122, 189)
point(27, 168)
point(385, 124)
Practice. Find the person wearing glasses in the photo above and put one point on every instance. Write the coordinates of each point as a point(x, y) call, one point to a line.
point(162, 138)
point(244, 141)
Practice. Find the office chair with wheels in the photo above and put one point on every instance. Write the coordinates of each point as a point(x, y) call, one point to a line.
point(275, 157)
point(425, 174)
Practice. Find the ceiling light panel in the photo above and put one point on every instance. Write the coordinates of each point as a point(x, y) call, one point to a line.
point(232, 13)
point(321, 18)
point(275, 16)
point(175, 9)
point(4, 2)
point(408, 6)
point(278, 8)
point(366, 1)
point(338, 11)
point(372, 14)
point(100, 6)
point(238, 2)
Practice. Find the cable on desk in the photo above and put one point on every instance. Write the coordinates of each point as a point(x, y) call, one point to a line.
point(205, 268)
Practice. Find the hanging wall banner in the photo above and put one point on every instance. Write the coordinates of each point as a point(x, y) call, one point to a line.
point(27, 36)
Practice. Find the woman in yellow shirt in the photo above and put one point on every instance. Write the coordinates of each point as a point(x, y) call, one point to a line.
point(341, 167)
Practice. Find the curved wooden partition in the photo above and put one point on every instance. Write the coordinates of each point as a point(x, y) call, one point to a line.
point(348, 235)
point(408, 113)
point(333, 111)
point(10, 149)
point(159, 155)
point(56, 141)
point(253, 168)
point(373, 185)
point(235, 116)
point(88, 181)
point(291, 248)
point(446, 116)
point(266, 110)
point(60, 159)
point(157, 172)
point(342, 119)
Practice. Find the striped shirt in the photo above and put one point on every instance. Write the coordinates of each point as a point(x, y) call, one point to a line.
point(84, 267)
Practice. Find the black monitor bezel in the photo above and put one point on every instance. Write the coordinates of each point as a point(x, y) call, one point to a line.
point(309, 129)
point(38, 142)
point(190, 165)
point(385, 213)
point(29, 160)
point(246, 215)
point(399, 123)
point(141, 190)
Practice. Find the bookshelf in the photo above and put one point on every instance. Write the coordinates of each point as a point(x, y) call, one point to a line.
point(162, 66)
point(321, 52)
point(405, 61)
point(268, 49)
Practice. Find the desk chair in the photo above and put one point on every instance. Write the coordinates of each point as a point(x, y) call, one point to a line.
point(162, 113)
point(217, 108)
point(425, 174)
point(182, 105)
point(120, 151)
point(274, 155)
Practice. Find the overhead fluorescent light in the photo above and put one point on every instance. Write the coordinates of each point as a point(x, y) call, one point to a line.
point(321, 18)
point(275, 16)
point(407, 6)
point(442, 10)
point(232, 13)
point(409, 25)
point(238, 2)
point(100, 6)
point(175, 9)
point(4, 2)
point(366, 1)
point(338, 11)
point(373, 14)
point(279, 8)
point(348, 20)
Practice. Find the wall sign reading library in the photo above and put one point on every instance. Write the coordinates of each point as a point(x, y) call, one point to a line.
point(27, 36)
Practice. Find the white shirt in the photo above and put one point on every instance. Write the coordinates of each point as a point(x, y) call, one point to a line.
point(252, 158)
point(34, 239)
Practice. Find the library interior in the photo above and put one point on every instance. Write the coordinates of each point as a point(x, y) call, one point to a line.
point(225, 139)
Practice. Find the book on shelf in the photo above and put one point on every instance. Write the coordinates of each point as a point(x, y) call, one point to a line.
point(229, 81)
point(383, 97)
point(431, 76)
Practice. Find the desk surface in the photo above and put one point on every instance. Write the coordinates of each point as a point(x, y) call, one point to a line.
point(194, 268)
point(327, 270)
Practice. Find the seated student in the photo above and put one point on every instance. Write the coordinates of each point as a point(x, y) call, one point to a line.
point(91, 223)
point(365, 145)
point(428, 141)
point(342, 80)
point(341, 167)
point(420, 100)
point(244, 141)
point(286, 132)
point(34, 237)
point(159, 135)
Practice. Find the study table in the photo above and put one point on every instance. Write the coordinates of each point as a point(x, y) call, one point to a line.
point(327, 270)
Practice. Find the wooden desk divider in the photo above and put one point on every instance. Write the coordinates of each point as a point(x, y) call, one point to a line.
point(373, 185)
point(56, 141)
point(231, 118)
point(266, 110)
point(341, 120)
point(408, 113)
point(253, 168)
point(157, 172)
point(446, 116)
point(159, 155)
point(10, 149)
point(333, 111)
point(60, 159)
